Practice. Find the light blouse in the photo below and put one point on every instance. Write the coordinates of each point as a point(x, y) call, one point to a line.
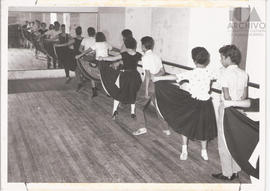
point(199, 82)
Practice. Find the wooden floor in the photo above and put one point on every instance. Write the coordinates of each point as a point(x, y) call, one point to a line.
point(59, 135)
point(24, 59)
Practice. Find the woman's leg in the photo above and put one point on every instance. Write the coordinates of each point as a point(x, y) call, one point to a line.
point(66, 68)
point(132, 108)
point(115, 106)
point(184, 153)
point(204, 151)
point(94, 88)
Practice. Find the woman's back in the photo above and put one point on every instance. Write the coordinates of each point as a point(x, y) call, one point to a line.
point(77, 44)
point(102, 49)
point(130, 62)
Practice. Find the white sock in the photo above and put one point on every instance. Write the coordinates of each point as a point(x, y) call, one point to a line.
point(132, 108)
point(115, 105)
point(184, 148)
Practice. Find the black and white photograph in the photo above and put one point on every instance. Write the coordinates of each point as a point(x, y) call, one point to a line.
point(170, 95)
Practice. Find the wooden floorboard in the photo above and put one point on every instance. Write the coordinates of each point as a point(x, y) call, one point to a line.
point(56, 134)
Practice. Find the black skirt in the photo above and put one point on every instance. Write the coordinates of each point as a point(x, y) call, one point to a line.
point(242, 136)
point(129, 83)
point(187, 116)
point(66, 57)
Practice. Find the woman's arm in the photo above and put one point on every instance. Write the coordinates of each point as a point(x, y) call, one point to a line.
point(53, 39)
point(226, 93)
point(123, 48)
point(161, 72)
point(70, 42)
point(84, 52)
point(81, 48)
point(147, 81)
point(167, 77)
point(112, 58)
point(240, 103)
point(245, 94)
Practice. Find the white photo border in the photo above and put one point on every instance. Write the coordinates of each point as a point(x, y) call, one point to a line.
point(5, 186)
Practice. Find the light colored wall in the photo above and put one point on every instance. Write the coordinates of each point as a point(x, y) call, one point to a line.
point(21, 17)
point(208, 28)
point(74, 22)
point(139, 21)
point(87, 20)
point(111, 23)
point(255, 61)
point(170, 30)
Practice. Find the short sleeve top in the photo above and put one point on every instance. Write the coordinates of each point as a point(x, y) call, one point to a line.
point(88, 42)
point(199, 82)
point(130, 62)
point(101, 49)
point(235, 79)
point(151, 62)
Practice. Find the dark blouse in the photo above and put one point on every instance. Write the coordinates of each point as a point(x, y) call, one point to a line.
point(63, 39)
point(130, 62)
point(77, 44)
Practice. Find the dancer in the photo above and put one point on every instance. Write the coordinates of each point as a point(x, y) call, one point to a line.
point(122, 84)
point(152, 66)
point(233, 81)
point(190, 114)
point(85, 49)
point(65, 56)
point(78, 40)
point(125, 34)
point(52, 37)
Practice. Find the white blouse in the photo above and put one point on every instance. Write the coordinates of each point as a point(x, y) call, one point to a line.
point(151, 62)
point(101, 49)
point(235, 79)
point(199, 82)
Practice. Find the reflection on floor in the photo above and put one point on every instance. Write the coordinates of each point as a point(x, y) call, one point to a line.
point(59, 135)
point(24, 59)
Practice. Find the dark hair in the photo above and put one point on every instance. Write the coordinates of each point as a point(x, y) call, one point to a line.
point(43, 24)
point(148, 42)
point(200, 55)
point(56, 23)
point(63, 25)
point(51, 26)
point(127, 33)
point(78, 30)
point(100, 37)
point(231, 51)
point(91, 31)
point(130, 43)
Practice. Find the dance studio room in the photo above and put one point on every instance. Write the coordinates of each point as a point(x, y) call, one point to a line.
point(144, 103)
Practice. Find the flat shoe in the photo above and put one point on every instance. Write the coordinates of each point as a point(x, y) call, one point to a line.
point(133, 116)
point(184, 156)
point(220, 176)
point(204, 155)
point(140, 131)
point(114, 115)
point(167, 132)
